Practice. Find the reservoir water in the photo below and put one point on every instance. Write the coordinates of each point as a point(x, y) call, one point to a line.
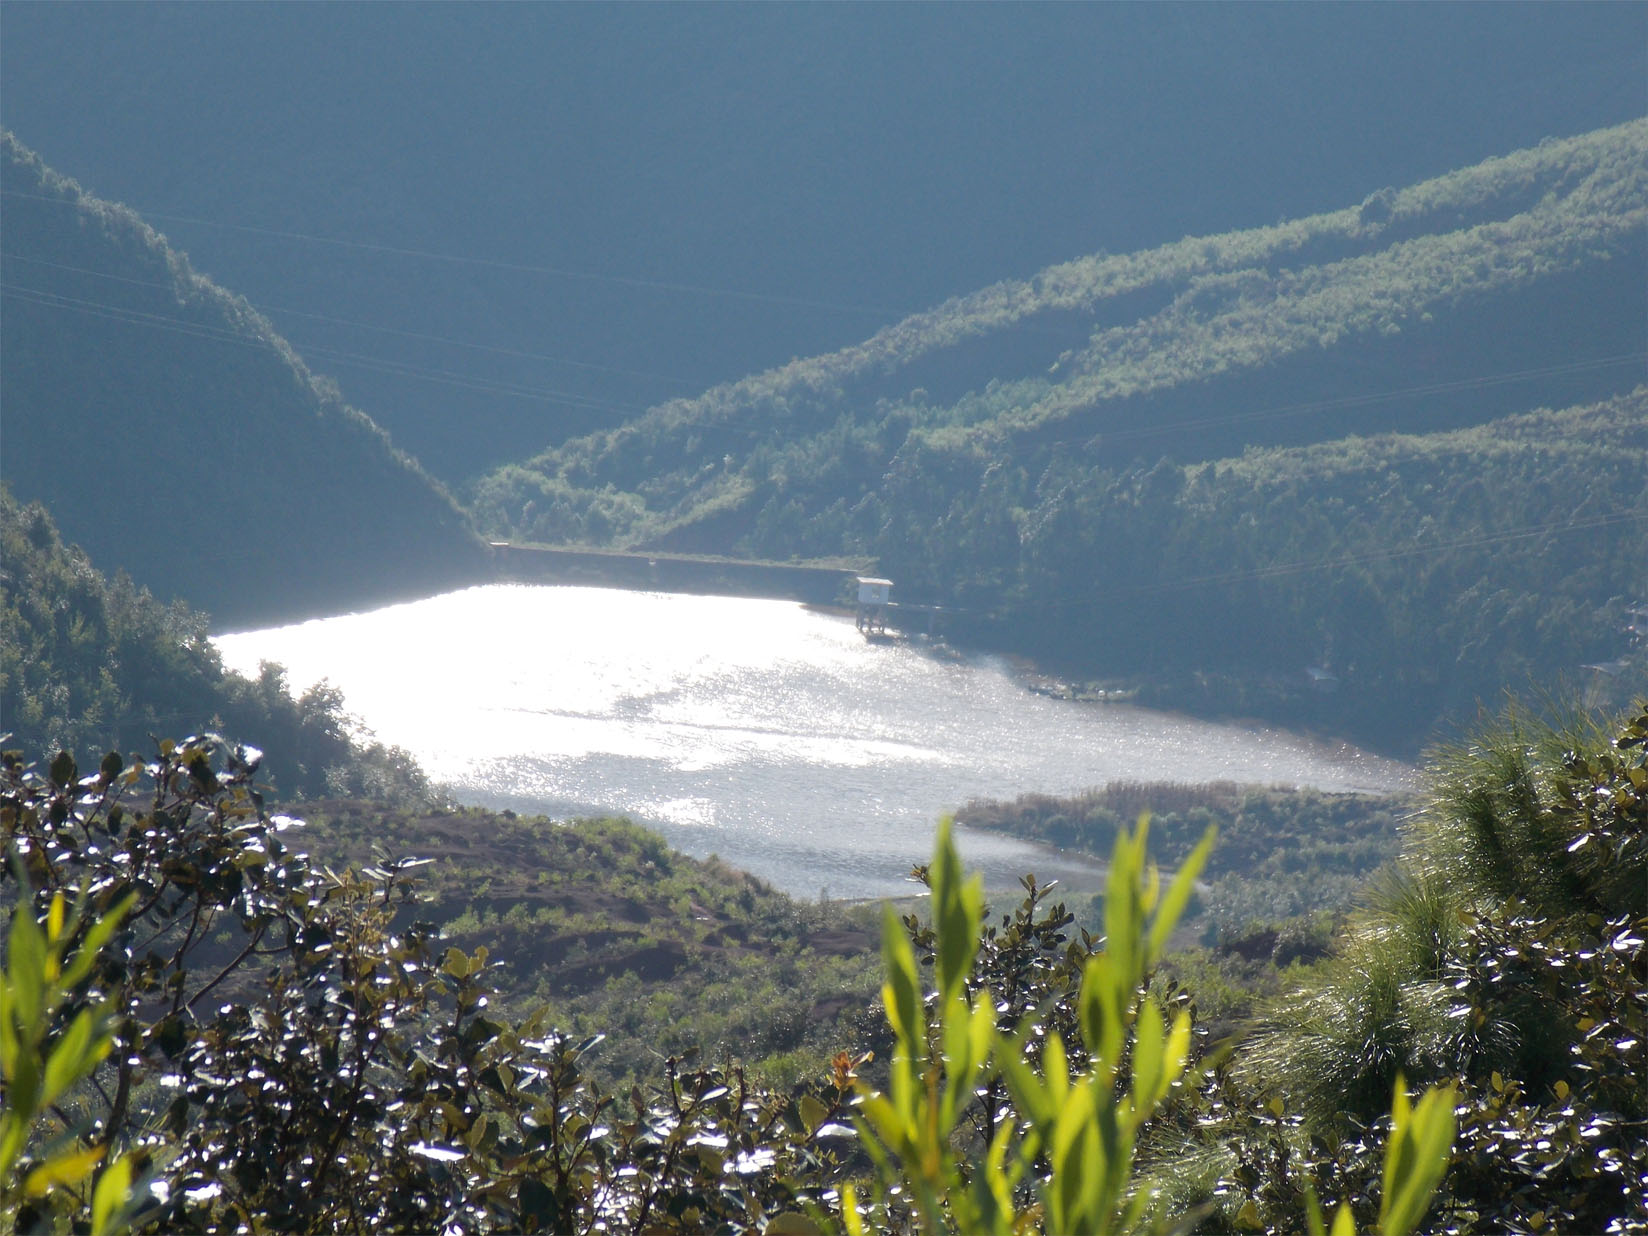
point(762, 731)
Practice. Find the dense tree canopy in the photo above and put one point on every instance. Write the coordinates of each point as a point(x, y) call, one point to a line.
point(1443, 304)
point(89, 664)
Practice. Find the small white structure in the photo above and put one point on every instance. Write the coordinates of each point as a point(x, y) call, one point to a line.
point(873, 591)
point(873, 597)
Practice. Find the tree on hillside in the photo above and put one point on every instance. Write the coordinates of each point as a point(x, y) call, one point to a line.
point(88, 664)
point(1507, 955)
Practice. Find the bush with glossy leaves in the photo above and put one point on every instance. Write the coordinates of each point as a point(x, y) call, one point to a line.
point(292, 1050)
point(1507, 959)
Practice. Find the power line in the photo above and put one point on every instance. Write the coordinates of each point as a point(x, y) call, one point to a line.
point(1474, 540)
point(567, 398)
point(557, 272)
point(387, 330)
point(201, 330)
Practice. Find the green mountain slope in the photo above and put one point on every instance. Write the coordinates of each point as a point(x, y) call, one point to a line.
point(1208, 469)
point(90, 664)
point(1507, 285)
point(1425, 574)
point(175, 435)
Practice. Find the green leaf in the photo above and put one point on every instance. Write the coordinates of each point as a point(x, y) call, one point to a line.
point(64, 772)
point(1149, 1050)
point(1314, 1226)
point(901, 993)
point(1416, 1157)
point(112, 1197)
point(62, 1170)
point(200, 769)
point(813, 1113)
point(1123, 913)
point(74, 1055)
point(957, 906)
point(1178, 1050)
point(791, 1223)
point(97, 935)
point(1178, 893)
point(9, 1046)
point(54, 920)
point(880, 1120)
point(26, 966)
point(14, 1130)
point(1073, 1163)
point(1030, 1093)
point(849, 1211)
point(1105, 992)
point(982, 1028)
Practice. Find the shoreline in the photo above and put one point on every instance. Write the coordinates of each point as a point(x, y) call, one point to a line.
point(815, 583)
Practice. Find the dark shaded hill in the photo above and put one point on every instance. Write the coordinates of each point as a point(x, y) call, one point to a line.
point(176, 436)
point(1426, 573)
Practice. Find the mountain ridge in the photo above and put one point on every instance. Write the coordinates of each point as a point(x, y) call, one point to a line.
point(1229, 305)
point(216, 466)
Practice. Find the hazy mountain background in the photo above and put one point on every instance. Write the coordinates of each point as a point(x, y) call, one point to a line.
point(652, 200)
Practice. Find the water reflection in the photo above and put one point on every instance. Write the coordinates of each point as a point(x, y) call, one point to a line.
point(759, 730)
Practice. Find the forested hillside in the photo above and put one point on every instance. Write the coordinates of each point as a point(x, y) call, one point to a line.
point(1283, 853)
point(1490, 290)
point(1215, 464)
point(89, 664)
point(1418, 575)
point(176, 436)
point(354, 1070)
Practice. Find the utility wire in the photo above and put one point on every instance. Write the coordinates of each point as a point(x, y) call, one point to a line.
point(567, 398)
point(201, 330)
point(1475, 540)
point(557, 272)
point(387, 330)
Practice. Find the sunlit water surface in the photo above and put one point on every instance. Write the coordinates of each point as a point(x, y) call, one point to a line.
point(761, 731)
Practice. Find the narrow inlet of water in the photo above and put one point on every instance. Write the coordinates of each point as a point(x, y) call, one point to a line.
point(761, 731)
